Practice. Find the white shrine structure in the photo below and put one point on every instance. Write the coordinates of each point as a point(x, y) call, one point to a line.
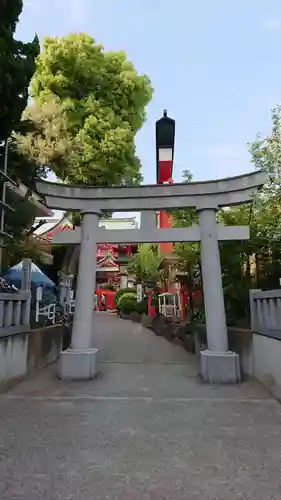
point(218, 364)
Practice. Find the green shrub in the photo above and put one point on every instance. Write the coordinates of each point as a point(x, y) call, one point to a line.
point(125, 296)
point(128, 305)
point(122, 292)
point(197, 316)
point(141, 307)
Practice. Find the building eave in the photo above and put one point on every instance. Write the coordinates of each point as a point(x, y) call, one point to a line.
point(21, 190)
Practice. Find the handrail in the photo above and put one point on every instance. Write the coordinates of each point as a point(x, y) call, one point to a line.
point(14, 313)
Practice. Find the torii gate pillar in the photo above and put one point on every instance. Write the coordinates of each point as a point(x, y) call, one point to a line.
point(81, 360)
point(218, 364)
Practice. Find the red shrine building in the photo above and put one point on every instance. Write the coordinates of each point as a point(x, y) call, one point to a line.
point(112, 260)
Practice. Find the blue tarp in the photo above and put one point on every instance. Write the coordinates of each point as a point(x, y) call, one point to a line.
point(38, 278)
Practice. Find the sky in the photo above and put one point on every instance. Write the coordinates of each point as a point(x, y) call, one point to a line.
point(214, 65)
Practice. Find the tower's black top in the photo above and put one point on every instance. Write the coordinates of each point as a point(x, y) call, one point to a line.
point(165, 135)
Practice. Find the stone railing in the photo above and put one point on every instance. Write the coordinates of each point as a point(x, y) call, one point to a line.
point(266, 345)
point(266, 312)
point(14, 313)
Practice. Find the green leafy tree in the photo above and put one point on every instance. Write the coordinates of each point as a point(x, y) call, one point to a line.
point(145, 264)
point(266, 213)
point(235, 264)
point(48, 141)
point(87, 107)
point(266, 156)
point(16, 68)
point(188, 253)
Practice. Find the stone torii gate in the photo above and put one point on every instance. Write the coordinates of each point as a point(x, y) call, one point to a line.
point(218, 364)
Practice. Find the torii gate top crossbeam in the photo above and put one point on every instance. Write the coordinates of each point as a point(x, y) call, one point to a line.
point(207, 194)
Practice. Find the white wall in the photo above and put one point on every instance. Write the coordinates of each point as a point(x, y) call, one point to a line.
point(13, 357)
point(267, 359)
point(118, 223)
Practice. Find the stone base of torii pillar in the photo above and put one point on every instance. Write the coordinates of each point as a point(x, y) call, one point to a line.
point(76, 364)
point(220, 367)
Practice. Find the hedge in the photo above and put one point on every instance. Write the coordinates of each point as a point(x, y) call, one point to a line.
point(128, 305)
point(125, 296)
point(121, 292)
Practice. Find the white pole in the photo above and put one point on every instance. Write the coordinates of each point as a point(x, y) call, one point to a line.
point(37, 311)
point(164, 305)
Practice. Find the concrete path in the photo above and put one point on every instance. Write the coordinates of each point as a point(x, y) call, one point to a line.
point(147, 428)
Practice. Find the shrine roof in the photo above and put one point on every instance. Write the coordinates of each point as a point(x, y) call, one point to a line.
point(107, 261)
point(51, 224)
point(54, 223)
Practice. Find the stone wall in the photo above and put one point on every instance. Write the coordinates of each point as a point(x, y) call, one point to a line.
point(13, 359)
point(44, 346)
point(266, 354)
point(21, 354)
point(240, 340)
point(260, 355)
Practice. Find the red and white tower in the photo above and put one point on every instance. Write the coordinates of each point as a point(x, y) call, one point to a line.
point(165, 143)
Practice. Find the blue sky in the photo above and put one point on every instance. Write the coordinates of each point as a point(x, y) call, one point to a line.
point(214, 64)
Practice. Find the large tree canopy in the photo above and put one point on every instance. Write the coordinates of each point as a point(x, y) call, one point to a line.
point(87, 107)
point(145, 264)
point(17, 64)
point(266, 156)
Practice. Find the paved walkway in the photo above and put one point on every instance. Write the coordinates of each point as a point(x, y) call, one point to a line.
point(147, 428)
